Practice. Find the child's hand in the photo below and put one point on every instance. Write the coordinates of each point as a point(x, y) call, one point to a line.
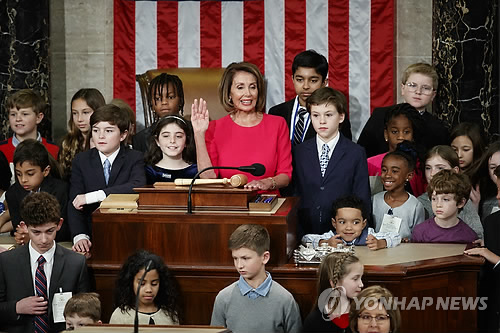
point(79, 201)
point(483, 252)
point(375, 244)
point(21, 234)
point(199, 116)
point(479, 242)
point(334, 241)
point(475, 196)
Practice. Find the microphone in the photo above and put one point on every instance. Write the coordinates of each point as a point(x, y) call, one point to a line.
point(146, 270)
point(255, 169)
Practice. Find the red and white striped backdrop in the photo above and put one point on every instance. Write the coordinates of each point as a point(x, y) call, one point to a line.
point(356, 36)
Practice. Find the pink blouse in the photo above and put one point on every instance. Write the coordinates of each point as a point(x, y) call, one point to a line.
point(267, 143)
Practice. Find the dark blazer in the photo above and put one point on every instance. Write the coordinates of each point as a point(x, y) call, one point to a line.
point(346, 174)
point(58, 188)
point(285, 110)
point(87, 175)
point(140, 141)
point(69, 273)
point(489, 285)
point(372, 136)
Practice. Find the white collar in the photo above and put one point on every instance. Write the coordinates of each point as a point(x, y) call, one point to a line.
point(111, 158)
point(331, 144)
point(34, 254)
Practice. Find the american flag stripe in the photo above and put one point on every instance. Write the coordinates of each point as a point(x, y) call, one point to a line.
point(356, 36)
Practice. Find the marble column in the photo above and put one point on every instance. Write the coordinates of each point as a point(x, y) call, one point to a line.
point(465, 53)
point(24, 30)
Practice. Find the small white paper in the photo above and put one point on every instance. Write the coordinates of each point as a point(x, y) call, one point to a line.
point(58, 304)
point(390, 223)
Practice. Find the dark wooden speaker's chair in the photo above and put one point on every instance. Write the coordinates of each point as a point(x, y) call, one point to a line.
point(196, 82)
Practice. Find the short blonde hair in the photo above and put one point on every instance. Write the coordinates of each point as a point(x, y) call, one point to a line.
point(424, 69)
point(371, 295)
point(227, 81)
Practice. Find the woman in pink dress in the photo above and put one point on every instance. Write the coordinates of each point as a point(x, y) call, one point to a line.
point(247, 135)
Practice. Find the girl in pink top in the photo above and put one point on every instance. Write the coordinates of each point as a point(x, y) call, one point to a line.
point(246, 135)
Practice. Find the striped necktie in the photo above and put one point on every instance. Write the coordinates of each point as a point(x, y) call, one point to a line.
point(298, 133)
point(41, 322)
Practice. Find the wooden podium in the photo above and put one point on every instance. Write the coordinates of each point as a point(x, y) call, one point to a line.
point(197, 239)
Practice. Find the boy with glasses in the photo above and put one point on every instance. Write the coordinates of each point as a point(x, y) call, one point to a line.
point(418, 88)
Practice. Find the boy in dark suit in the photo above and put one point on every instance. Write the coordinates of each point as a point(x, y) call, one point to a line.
point(418, 88)
point(32, 168)
point(31, 275)
point(309, 72)
point(328, 166)
point(108, 168)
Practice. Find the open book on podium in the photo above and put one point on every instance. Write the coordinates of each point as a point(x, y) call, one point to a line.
point(151, 329)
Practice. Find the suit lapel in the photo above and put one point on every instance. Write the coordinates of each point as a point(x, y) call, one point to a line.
point(288, 112)
point(337, 155)
point(312, 155)
point(117, 165)
point(97, 168)
point(57, 270)
point(25, 270)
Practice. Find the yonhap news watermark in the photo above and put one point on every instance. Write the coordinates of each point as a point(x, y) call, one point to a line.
point(334, 300)
point(422, 303)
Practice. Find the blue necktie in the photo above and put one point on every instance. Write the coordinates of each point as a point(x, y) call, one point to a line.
point(323, 159)
point(107, 170)
point(41, 322)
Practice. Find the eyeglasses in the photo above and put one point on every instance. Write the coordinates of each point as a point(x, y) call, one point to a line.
point(425, 90)
point(367, 319)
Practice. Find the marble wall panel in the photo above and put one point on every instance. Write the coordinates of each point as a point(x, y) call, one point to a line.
point(84, 49)
point(465, 52)
point(24, 31)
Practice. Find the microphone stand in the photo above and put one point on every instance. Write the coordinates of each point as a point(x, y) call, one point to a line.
point(136, 320)
point(190, 204)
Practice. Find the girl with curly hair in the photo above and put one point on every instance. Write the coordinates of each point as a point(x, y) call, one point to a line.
point(158, 296)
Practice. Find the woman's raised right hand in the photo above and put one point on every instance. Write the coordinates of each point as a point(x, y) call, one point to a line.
point(199, 116)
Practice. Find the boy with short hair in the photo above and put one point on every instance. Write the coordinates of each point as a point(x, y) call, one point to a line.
point(25, 108)
point(328, 166)
point(31, 275)
point(350, 228)
point(32, 169)
point(418, 88)
point(254, 303)
point(309, 73)
point(449, 192)
point(81, 310)
point(108, 168)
